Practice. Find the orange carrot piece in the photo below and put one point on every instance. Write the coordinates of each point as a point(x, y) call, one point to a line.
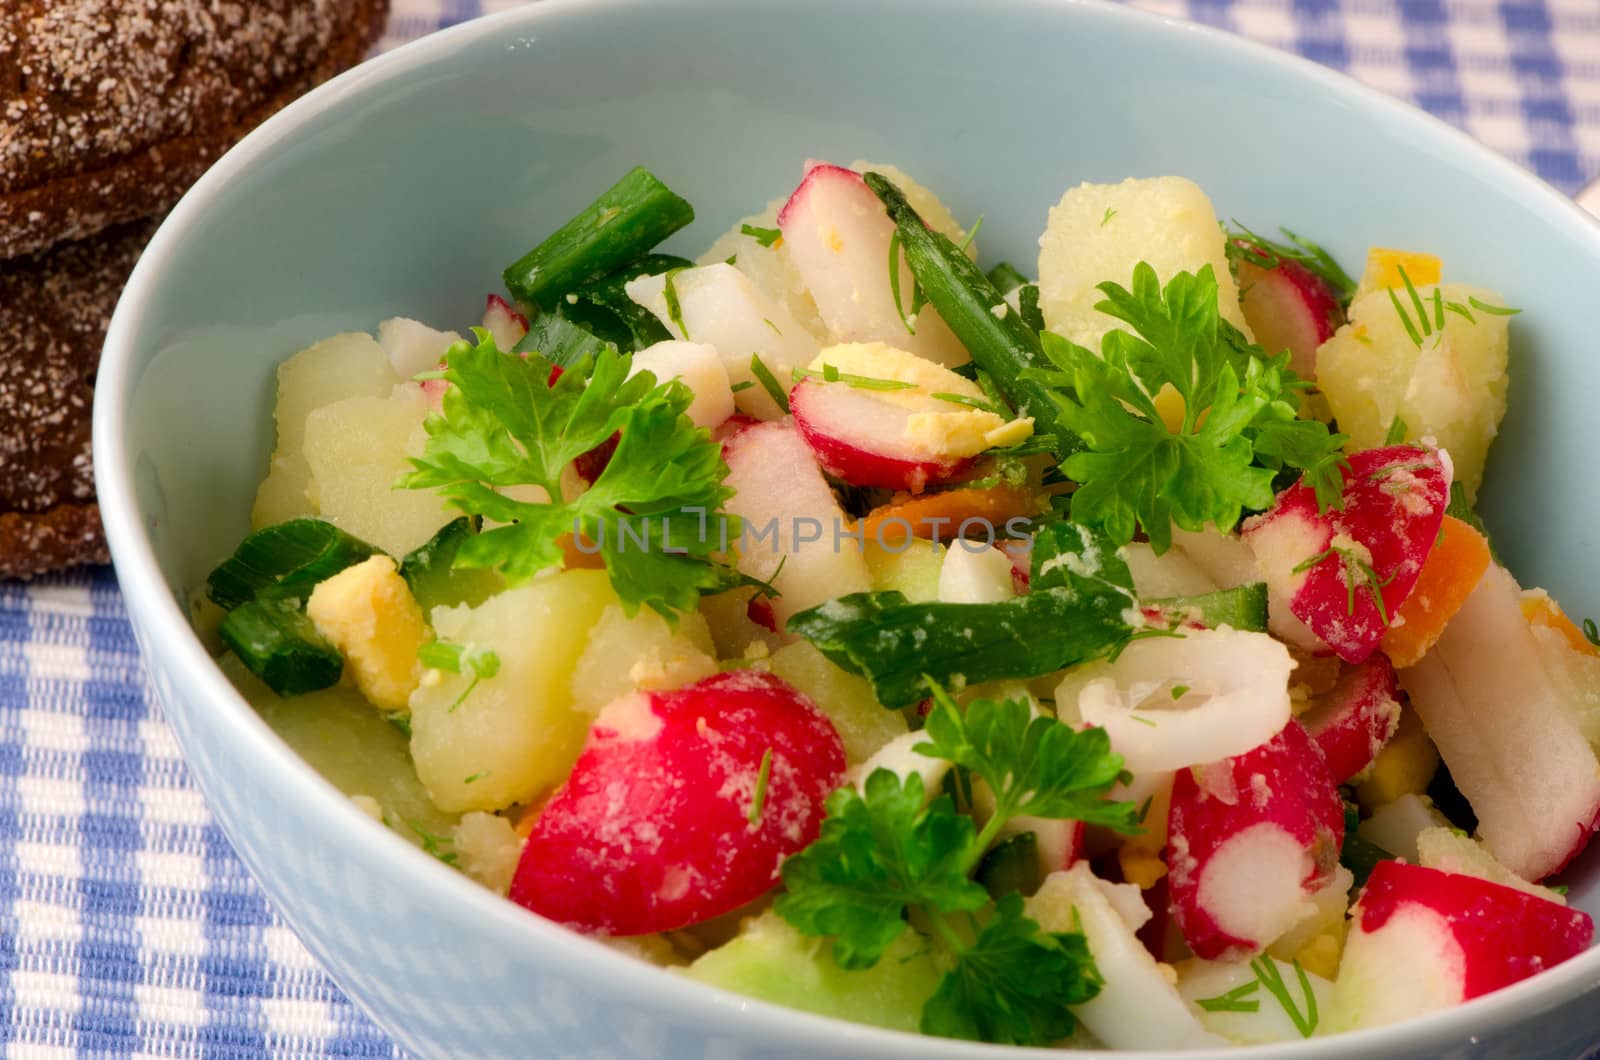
point(940, 515)
point(576, 558)
point(1448, 577)
point(1540, 610)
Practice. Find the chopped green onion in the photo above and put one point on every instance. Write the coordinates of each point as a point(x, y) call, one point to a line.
point(1397, 432)
point(743, 385)
point(1236, 1000)
point(433, 844)
point(1493, 310)
point(830, 374)
point(1005, 347)
point(624, 223)
point(604, 308)
point(435, 581)
point(1267, 973)
point(561, 341)
point(1105, 218)
point(758, 801)
point(674, 307)
point(966, 242)
point(290, 557)
point(768, 381)
point(1006, 277)
point(279, 644)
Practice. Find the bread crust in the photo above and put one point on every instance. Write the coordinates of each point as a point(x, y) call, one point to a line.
point(110, 109)
point(54, 309)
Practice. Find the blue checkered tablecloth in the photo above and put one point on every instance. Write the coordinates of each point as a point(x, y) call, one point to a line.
point(126, 924)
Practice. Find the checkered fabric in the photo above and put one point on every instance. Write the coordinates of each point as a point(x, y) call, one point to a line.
point(127, 926)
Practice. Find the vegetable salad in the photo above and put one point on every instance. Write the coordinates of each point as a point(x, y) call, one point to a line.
point(1105, 656)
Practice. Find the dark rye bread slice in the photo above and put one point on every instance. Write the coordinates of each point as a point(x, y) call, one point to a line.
point(110, 109)
point(54, 308)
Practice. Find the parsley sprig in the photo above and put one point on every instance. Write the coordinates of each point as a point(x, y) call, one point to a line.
point(1240, 426)
point(650, 515)
point(887, 857)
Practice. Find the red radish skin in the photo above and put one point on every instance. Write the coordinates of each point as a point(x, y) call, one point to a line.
point(1246, 849)
point(759, 611)
point(1394, 502)
point(502, 320)
point(1288, 307)
point(1422, 939)
point(652, 831)
point(856, 439)
point(1352, 722)
point(1020, 553)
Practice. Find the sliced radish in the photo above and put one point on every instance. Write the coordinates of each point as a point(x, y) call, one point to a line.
point(1352, 722)
point(1394, 826)
point(503, 322)
point(1423, 940)
point(1137, 1006)
point(697, 366)
point(1171, 702)
point(1288, 307)
point(791, 518)
point(838, 234)
point(1249, 840)
point(413, 346)
point(1229, 562)
point(1346, 571)
point(1507, 734)
point(719, 306)
point(879, 422)
point(682, 806)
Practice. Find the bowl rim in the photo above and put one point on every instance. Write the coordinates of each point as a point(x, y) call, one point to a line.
point(153, 608)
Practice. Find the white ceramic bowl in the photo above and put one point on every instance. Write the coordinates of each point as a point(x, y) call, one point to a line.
point(404, 187)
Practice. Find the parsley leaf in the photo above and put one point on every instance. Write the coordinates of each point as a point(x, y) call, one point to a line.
point(886, 860)
point(878, 853)
point(1036, 766)
point(1013, 984)
point(649, 514)
point(1240, 425)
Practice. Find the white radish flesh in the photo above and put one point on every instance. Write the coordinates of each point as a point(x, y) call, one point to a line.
point(792, 519)
point(1233, 695)
point(1506, 734)
point(718, 305)
point(838, 234)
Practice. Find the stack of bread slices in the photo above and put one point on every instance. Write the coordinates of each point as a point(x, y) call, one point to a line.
point(109, 110)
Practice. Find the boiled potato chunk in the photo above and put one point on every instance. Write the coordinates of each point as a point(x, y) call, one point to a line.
point(344, 366)
point(357, 449)
point(641, 653)
point(352, 746)
point(1451, 388)
point(1099, 232)
point(864, 725)
point(517, 733)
